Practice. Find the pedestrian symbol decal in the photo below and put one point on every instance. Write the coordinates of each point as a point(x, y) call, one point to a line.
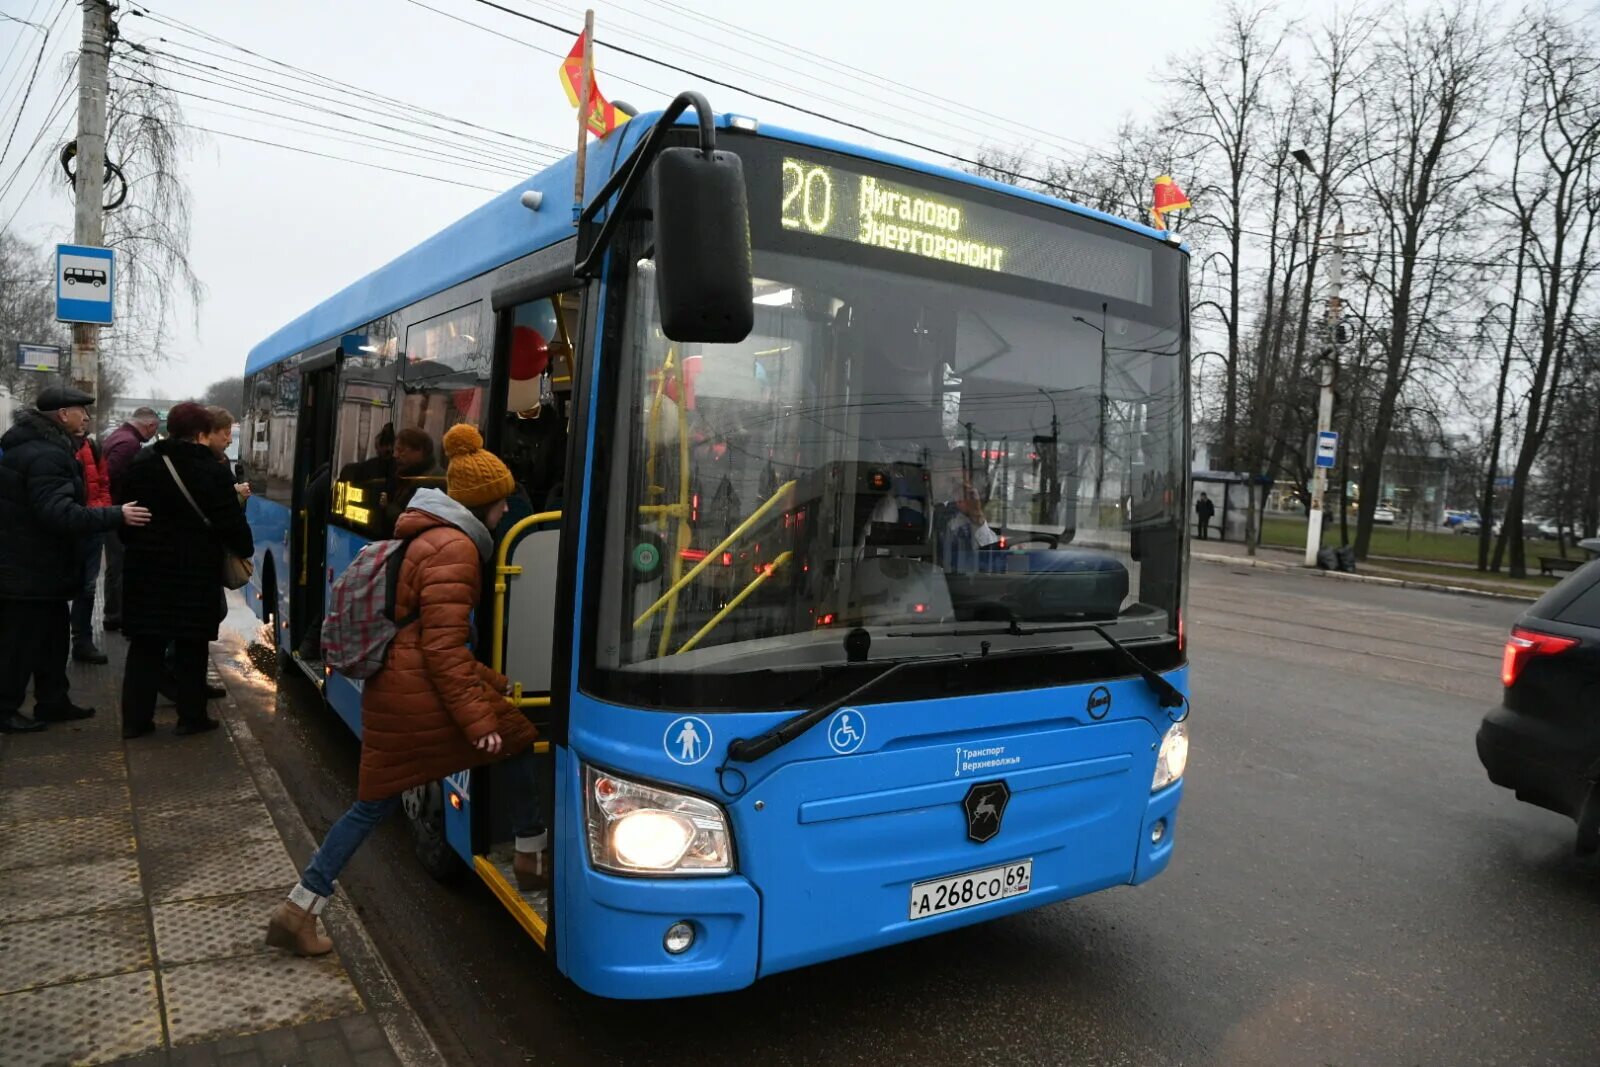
point(687, 740)
point(846, 731)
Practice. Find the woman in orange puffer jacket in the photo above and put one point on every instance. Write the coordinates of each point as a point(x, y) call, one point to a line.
point(434, 708)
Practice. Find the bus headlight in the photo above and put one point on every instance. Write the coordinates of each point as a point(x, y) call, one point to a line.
point(1173, 757)
point(641, 829)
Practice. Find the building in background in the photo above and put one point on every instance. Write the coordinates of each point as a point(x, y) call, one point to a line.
point(123, 407)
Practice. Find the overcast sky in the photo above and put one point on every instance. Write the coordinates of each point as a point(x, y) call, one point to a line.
point(276, 232)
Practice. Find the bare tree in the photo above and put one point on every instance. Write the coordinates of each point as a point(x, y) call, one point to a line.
point(1555, 203)
point(1221, 94)
point(1424, 119)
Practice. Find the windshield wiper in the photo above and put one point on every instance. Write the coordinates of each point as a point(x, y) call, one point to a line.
point(1167, 694)
point(856, 643)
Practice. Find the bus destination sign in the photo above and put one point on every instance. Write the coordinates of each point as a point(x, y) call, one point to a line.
point(829, 201)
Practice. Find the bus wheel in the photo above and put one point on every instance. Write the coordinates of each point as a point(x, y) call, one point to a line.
point(424, 807)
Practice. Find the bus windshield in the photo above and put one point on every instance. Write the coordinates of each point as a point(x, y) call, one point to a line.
point(946, 465)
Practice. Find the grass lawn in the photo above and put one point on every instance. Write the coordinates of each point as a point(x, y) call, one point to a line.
point(1532, 585)
point(1430, 544)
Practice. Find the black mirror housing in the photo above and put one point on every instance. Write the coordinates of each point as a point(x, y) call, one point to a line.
point(702, 238)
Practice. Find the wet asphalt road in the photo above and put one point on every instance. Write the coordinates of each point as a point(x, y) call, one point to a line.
point(1348, 889)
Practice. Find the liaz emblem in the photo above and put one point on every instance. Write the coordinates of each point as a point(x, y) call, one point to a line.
point(985, 805)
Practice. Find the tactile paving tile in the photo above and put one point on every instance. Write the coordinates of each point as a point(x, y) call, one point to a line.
point(84, 1022)
point(211, 929)
point(54, 841)
point(100, 734)
point(208, 791)
point(61, 769)
point(52, 951)
point(32, 802)
point(68, 888)
point(222, 870)
point(198, 828)
point(248, 994)
point(165, 755)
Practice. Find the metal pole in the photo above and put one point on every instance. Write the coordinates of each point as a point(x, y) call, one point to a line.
point(584, 104)
point(1319, 476)
point(88, 223)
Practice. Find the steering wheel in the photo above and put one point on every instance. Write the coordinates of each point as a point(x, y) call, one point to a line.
point(1053, 540)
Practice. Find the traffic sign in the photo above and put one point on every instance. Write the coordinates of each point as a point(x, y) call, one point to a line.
point(1327, 447)
point(39, 357)
point(85, 281)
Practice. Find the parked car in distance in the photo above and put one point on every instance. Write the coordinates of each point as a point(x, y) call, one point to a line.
point(1383, 515)
point(1543, 741)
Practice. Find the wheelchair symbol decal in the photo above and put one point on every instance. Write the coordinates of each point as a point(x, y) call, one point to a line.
point(847, 730)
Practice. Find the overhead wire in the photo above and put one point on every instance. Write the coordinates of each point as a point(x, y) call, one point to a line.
point(13, 78)
point(389, 147)
point(483, 143)
point(324, 155)
point(522, 163)
point(60, 104)
point(303, 74)
point(942, 132)
point(28, 92)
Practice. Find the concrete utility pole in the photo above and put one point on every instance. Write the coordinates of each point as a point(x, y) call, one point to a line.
point(88, 226)
point(1326, 370)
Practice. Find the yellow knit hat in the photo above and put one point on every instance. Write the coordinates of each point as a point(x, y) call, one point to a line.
point(474, 477)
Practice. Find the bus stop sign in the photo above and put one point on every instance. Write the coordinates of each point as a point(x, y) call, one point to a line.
point(1327, 447)
point(85, 281)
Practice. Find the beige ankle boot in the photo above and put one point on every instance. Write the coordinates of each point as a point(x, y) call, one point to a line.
point(293, 926)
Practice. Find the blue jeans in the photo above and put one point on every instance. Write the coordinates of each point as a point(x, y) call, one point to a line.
point(89, 549)
point(357, 824)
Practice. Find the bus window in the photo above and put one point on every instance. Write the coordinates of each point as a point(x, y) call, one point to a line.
point(533, 441)
point(446, 375)
point(282, 398)
point(364, 443)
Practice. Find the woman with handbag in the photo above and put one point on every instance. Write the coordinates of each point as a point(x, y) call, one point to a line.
point(175, 568)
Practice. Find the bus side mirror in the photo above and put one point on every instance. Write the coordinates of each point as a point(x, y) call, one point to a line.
point(702, 232)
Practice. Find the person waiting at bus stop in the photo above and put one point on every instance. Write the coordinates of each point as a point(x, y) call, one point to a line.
point(172, 570)
point(43, 515)
point(433, 709)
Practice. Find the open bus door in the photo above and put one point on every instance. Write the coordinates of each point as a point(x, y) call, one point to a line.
point(312, 484)
point(535, 345)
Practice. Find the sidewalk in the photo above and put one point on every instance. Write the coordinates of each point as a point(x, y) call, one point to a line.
point(135, 880)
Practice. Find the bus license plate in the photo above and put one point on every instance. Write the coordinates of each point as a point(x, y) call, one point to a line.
point(940, 895)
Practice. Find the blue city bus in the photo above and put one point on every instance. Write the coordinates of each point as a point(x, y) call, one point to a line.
point(847, 579)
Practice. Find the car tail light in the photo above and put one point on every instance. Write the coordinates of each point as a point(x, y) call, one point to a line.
point(1523, 645)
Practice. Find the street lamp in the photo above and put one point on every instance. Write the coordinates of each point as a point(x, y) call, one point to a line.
point(1100, 462)
point(1326, 368)
point(1050, 458)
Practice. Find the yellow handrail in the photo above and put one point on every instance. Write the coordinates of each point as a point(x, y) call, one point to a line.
point(766, 572)
point(738, 531)
point(685, 532)
point(497, 658)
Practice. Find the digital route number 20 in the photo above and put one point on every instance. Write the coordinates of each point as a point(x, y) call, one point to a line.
point(807, 197)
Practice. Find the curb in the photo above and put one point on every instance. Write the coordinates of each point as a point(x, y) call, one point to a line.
point(1370, 579)
point(412, 1045)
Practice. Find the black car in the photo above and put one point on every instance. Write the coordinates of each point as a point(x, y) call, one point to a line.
point(1543, 742)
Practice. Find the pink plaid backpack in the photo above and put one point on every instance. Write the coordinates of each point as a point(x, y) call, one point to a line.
point(361, 623)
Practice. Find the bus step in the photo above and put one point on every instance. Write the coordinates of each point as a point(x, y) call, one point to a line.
point(314, 670)
point(532, 909)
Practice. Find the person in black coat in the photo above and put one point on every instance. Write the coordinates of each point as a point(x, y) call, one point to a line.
point(42, 519)
point(172, 570)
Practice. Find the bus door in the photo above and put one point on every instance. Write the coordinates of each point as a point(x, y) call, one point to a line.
point(535, 344)
point(308, 543)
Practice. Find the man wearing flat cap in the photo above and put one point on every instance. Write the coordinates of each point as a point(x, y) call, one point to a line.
point(42, 517)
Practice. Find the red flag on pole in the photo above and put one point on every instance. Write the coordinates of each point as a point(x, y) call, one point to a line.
point(1166, 197)
point(603, 117)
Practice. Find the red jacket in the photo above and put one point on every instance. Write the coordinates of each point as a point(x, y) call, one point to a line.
point(95, 478)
